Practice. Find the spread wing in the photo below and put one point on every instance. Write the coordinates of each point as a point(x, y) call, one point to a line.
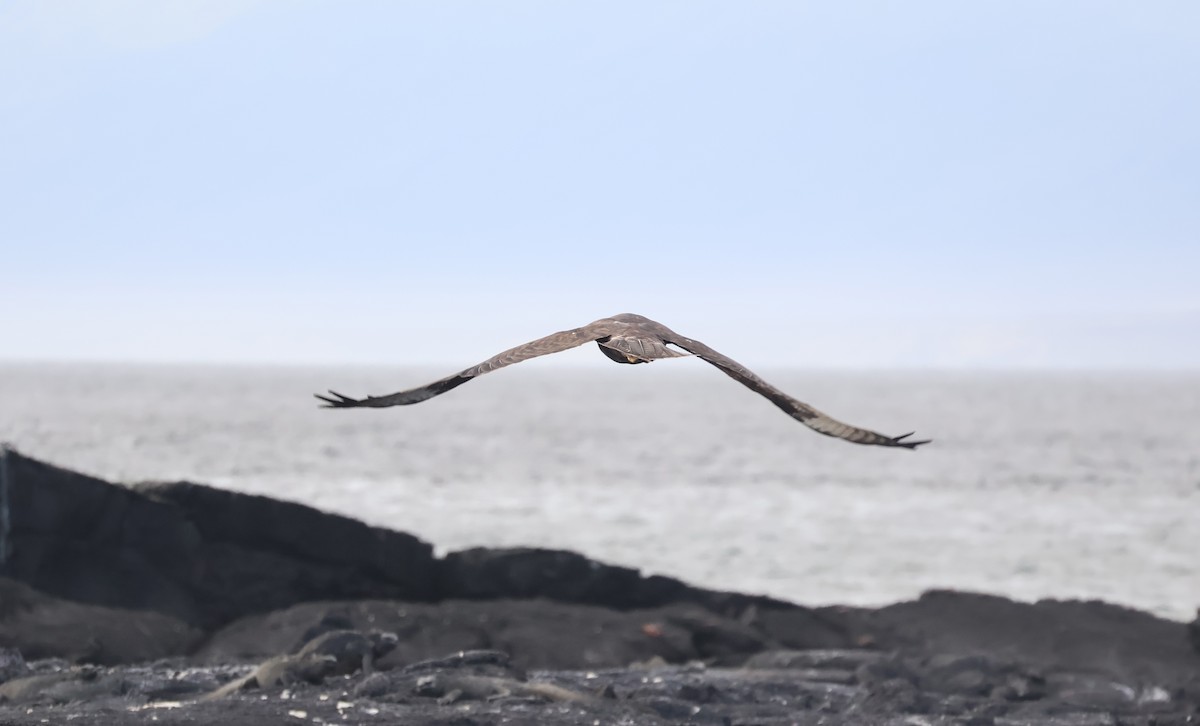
point(798, 410)
point(553, 343)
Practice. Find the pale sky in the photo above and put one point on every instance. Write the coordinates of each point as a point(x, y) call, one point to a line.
point(918, 184)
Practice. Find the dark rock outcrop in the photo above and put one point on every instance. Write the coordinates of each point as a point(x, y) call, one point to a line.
point(84, 539)
point(480, 688)
point(252, 523)
point(527, 573)
point(1126, 644)
point(138, 575)
point(42, 626)
point(537, 633)
point(209, 556)
point(192, 552)
point(520, 635)
point(484, 573)
point(1194, 632)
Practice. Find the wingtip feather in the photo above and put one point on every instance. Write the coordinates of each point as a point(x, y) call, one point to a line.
point(338, 400)
point(899, 441)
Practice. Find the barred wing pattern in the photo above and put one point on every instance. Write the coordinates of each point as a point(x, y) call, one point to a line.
point(554, 343)
point(802, 412)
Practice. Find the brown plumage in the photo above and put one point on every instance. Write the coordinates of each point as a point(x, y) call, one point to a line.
point(629, 338)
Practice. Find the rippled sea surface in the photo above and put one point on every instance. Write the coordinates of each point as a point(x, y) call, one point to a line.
point(1037, 485)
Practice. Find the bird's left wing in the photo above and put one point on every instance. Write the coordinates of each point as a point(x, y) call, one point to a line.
point(802, 412)
point(553, 343)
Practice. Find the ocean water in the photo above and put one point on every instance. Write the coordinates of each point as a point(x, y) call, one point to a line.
point(1064, 485)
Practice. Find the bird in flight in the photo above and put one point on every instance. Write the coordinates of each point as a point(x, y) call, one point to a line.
point(629, 338)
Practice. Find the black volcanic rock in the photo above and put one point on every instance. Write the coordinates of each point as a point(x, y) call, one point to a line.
point(1194, 632)
point(537, 633)
point(192, 552)
point(42, 626)
point(526, 572)
point(483, 573)
point(84, 539)
point(185, 585)
point(232, 581)
point(209, 556)
point(300, 532)
point(1128, 645)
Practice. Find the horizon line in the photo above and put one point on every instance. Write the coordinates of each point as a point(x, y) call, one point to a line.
point(9, 361)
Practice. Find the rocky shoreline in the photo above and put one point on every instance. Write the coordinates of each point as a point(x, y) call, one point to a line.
point(174, 602)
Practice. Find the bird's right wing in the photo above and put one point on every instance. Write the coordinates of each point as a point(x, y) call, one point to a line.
point(802, 412)
point(553, 343)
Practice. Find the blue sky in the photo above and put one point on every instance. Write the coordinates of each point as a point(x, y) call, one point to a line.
point(929, 184)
